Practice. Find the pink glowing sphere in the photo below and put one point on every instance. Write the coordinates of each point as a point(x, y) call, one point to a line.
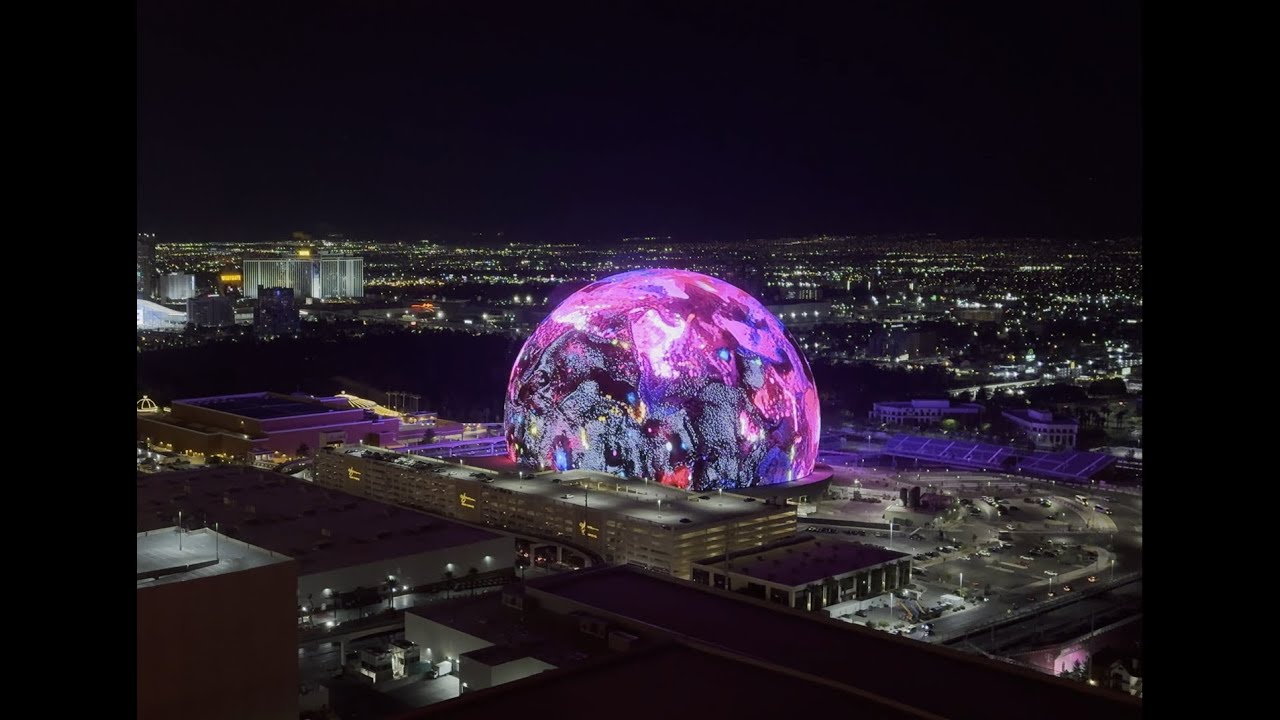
point(668, 375)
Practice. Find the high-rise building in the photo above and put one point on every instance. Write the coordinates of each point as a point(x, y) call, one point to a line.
point(210, 311)
point(341, 276)
point(276, 313)
point(146, 265)
point(295, 273)
point(177, 286)
point(329, 276)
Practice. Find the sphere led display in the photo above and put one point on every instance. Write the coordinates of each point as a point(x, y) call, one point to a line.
point(667, 375)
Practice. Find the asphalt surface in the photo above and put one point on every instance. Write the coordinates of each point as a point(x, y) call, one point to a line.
point(1014, 581)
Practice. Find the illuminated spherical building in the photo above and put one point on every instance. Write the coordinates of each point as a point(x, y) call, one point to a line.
point(667, 375)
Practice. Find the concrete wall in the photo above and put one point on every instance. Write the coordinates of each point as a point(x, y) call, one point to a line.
point(412, 570)
point(518, 669)
point(223, 647)
point(479, 676)
point(439, 641)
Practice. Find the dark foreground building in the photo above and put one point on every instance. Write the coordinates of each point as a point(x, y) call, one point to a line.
point(217, 629)
point(720, 654)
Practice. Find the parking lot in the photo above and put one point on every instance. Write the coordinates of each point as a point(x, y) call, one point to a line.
point(1007, 547)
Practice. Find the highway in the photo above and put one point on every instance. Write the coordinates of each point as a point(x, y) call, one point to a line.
point(993, 386)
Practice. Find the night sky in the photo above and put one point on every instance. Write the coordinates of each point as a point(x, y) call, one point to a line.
point(551, 121)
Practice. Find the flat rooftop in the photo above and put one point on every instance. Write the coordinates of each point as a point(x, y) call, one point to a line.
point(1041, 416)
point(929, 677)
point(555, 640)
point(654, 502)
point(655, 683)
point(260, 406)
point(163, 560)
point(804, 559)
point(285, 515)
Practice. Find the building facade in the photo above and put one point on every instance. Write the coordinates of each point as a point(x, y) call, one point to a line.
point(210, 311)
point(177, 286)
point(276, 313)
point(924, 412)
point(340, 276)
point(295, 273)
point(153, 316)
point(1044, 429)
point(146, 265)
point(217, 629)
point(808, 573)
point(644, 524)
point(328, 276)
point(263, 427)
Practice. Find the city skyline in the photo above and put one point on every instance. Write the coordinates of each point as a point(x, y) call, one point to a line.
point(493, 358)
point(546, 125)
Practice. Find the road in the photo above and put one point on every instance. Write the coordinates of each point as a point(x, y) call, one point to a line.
point(1052, 539)
point(1058, 623)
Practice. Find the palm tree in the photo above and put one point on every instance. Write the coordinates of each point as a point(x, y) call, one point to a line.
point(471, 573)
point(303, 450)
point(448, 583)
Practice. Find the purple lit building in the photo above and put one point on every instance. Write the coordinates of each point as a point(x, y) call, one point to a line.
point(263, 426)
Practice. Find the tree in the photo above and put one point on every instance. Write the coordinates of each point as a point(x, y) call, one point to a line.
point(471, 574)
point(303, 450)
point(448, 583)
point(949, 425)
point(1076, 673)
point(429, 436)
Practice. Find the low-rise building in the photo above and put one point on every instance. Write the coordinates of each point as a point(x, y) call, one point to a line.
point(625, 522)
point(1044, 429)
point(340, 542)
point(920, 413)
point(264, 427)
point(808, 573)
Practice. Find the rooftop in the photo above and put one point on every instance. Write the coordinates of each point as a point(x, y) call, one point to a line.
point(936, 404)
point(640, 684)
point(555, 640)
point(1064, 464)
point(163, 559)
point(260, 406)
point(283, 514)
point(654, 502)
point(804, 559)
point(1028, 415)
point(855, 657)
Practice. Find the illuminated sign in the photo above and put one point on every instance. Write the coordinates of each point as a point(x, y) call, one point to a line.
point(304, 253)
point(466, 501)
point(353, 474)
point(588, 530)
point(230, 277)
